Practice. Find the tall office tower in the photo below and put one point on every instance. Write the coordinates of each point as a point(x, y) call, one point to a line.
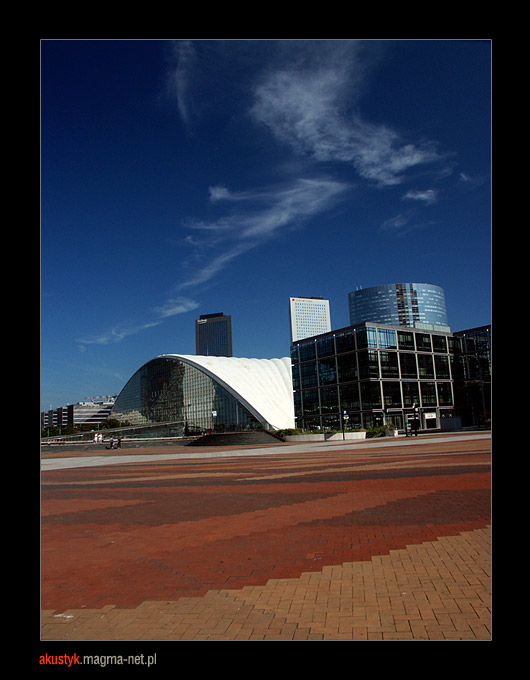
point(213, 335)
point(309, 316)
point(417, 305)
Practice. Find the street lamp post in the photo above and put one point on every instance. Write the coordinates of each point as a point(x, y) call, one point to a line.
point(346, 417)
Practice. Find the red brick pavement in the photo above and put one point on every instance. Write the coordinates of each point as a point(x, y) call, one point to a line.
point(384, 543)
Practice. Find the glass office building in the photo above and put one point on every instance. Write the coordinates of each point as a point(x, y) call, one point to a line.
point(471, 372)
point(213, 335)
point(374, 374)
point(416, 305)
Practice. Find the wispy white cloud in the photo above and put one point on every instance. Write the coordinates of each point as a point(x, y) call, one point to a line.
point(429, 196)
point(309, 109)
point(471, 182)
point(121, 331)
point(258, 215)
point(179, 80)
point(401, 225)
point(394, 224)
point(307, 94)
point(175, 306)
point(312, 105)
point(115, 334)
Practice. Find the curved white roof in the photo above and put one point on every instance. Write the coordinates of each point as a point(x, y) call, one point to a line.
point(263, 386)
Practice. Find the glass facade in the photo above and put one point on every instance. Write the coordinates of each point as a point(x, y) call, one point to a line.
point(374, 374)
point(470, 365)
point(170, 390)
point(400, 304)
point(213, 335)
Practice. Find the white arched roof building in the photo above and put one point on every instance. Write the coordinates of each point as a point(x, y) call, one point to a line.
point(192, 387)
point(263, 386)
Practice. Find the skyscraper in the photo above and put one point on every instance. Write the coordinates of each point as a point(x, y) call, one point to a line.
point(309, 316)
point(213, 335)
point(417, 305)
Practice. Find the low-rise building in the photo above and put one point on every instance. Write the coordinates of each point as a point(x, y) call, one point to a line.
point(370, 375)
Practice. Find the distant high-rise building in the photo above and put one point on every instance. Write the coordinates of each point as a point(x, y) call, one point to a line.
point(213, 335)
point(417, 305)
point(309, 316)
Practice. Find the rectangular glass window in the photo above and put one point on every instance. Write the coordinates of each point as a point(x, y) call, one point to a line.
point(389, 364)
point(296, 377)
point(425, 366)
point(366, 337)
point(445, 396)
point(345, 342)
point(368, 364)
point(325, 347)
point(455, 345)
point(370, 395)
point(307, 351)
point(470, 344)
point(391, 395)
point(406, 340)
point(297, 404)
point(349, 397)
point(411, 394)
point(331, 422)
point(423, 342)
point(327, 372)
point(329, 401)
point(308, 374)
point(439, 343)
point(347, 367)
point(441, 363)
point(387, 338)
point(407, 362)
point(473, 368)
point(310, 402)
point(428, 394)
point(458, 367)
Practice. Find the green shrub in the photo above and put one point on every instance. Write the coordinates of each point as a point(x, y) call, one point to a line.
point(373, 432)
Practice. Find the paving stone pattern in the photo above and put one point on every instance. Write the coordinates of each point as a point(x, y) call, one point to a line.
point(379, 544)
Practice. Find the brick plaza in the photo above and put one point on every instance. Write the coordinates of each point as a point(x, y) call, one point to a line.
point(383, 540)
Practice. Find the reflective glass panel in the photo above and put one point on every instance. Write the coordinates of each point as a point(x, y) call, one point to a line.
point(406, 340)
point(411, 394)
point(325, 347)
point(349, 397)
point(327, 371)
point(441, 364)
point(407, 363)
point(428, 394)
point(387, 338)
point(392, 395)
point(370, 395)
point(347, 367)
point(308, 374)
point(329, 401)
point(425, 366)
point(389, 364)
point(445, 395)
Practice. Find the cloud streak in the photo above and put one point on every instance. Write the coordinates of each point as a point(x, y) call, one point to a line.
point(259, 215)
point(309, 109)
point(306, 95)
point(119, 332)
point(429, 196)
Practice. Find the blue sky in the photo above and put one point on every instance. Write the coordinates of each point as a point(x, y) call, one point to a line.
point(192, 177)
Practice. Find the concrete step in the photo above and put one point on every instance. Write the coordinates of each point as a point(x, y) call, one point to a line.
point(236, 439)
